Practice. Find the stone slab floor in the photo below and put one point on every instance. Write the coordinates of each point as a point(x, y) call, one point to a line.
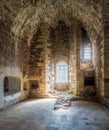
point(40, 115)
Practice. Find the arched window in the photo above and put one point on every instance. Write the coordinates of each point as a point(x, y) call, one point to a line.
point(61, 72)
point(87, 53)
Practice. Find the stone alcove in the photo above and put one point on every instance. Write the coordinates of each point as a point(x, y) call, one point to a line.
point(11, 85)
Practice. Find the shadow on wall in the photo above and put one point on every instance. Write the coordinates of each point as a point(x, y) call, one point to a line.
point(12, 85)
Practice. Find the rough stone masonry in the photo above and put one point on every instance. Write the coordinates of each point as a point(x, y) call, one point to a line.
point(35, 34)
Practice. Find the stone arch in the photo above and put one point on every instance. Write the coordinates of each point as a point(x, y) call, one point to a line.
point(24, 21)
point(21, 22)
point(29, 17)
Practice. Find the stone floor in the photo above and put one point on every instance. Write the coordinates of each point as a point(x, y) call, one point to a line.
point(40, 115)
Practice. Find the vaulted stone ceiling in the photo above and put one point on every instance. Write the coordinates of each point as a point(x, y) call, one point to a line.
point(21, 20)
point(22, 17)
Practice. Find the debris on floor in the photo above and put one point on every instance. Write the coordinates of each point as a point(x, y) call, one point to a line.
point(64, 101)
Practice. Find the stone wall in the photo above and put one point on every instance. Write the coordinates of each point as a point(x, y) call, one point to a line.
point(73, 57)
point(106, 48)
point(39, 60)
point(19, 22)
point(11, 58)
point(98, 62)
